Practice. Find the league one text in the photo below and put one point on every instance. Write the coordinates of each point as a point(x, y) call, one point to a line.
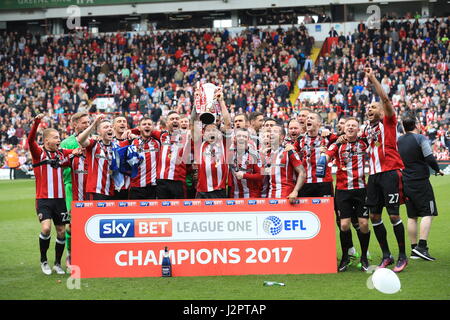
point(204, 237)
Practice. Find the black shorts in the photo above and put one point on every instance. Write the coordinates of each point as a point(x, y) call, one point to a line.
point(98, 197)
point(419, 199)
point(319, 189)
point(212, 195)
point(354, 219)
point(54, 209)
point(385, 189)
point(170, 189)
point(120, 195)
point(351, 204)
point(147, 192)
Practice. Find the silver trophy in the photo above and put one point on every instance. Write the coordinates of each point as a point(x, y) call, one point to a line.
point(205, 104)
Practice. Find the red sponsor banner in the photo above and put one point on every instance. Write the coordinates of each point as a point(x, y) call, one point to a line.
point(204, 237)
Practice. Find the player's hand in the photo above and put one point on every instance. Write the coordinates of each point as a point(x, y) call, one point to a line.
point(441, 173)
point(128, 135)
point(325, 132)
point(218, 94)
point(239, 175)
point(341, 139)
point(39, 116)
point(292, 197)
point(289, 147)
point(99, 118)
point(77, 151)
point(369, 72)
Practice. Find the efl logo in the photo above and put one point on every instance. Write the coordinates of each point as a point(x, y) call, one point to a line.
point(130, 228)
point(273, 225)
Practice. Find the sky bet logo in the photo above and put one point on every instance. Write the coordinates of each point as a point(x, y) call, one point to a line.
point(133, 228)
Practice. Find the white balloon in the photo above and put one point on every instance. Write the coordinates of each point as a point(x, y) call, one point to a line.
point(386, 281)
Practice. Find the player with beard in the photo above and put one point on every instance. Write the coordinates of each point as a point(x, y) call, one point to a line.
point(384, 186)
point(245, 168)
point(293, 131)
point(143, 186)
point(120, 126)
point(48, 161)
point(341, 125)
point(210, 153)
point(310, 147)
point(351, 191)
point(100, 183)
point(285, 169)
point(173, 159)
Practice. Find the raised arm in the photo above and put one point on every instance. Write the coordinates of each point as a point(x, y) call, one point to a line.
point(387, 105)
point(34, 147)
point(83, 137)
point(223, 108)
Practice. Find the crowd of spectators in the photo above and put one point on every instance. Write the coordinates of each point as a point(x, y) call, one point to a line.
point(154, 73)
point(145, 74)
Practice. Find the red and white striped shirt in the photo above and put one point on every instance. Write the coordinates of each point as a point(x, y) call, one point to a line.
point(383, 151)
point(79, 178)
point(310, 149)
point(49, 180)
point(212, 167)
point(282, 172)
point(175, 149)
point(98, 158)
point(350, 160)
point(149, 149)
point(250, 186)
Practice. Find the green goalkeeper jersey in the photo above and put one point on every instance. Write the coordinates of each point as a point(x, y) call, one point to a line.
point(69, 143)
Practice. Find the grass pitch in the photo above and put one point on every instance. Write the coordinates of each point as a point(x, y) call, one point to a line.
point(21, 277)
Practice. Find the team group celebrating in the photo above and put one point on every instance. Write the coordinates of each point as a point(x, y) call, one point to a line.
point(246, 157)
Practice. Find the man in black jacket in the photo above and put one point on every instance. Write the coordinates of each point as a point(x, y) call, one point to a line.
point(416, 154)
